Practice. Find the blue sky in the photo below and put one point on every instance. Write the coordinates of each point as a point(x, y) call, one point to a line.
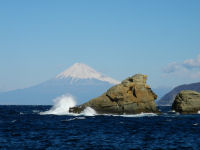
point(39, 39)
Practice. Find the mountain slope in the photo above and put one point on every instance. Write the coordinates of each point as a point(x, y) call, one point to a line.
point(169, 97)
point(80, 81)
point(82, 71)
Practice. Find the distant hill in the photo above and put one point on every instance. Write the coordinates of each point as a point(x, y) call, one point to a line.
point(80, 80)
point(161, 91)
point(168, 99)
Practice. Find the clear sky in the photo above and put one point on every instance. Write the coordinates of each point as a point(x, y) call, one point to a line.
point(41, 38)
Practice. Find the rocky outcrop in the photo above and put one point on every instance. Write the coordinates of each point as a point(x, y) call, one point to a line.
point(187, 102)
point(132, 96)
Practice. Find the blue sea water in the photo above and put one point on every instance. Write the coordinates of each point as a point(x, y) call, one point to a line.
point(22, 127)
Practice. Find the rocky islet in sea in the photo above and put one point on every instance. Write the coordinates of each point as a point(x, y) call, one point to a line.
point(187, 102)
point(132, 96)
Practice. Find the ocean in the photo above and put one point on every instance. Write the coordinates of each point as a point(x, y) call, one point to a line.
point(25, 127)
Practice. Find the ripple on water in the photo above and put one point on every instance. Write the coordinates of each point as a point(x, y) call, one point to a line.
point(141, 131)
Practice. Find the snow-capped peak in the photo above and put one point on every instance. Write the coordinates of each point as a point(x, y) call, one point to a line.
point(82, 71)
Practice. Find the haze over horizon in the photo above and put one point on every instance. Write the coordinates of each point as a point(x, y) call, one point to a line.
point(40, 39)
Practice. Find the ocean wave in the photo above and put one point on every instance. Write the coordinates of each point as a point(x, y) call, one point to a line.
point(88, 111)
point(61, 106)
point(63, 103)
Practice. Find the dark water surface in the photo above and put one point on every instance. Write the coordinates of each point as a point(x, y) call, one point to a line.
point(21, 127)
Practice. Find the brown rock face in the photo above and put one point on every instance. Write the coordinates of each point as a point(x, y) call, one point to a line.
point(132, 96)
point(187, 102)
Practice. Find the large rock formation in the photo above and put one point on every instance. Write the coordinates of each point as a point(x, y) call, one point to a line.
point(132, 96)
point(187, 102)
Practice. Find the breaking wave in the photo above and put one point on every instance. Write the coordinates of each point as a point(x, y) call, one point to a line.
point(61, 106)
point(88, 111)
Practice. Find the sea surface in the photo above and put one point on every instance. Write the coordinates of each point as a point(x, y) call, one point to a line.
point(23, 127)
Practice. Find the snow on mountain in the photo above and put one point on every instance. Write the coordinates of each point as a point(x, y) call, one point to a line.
point(82, 71)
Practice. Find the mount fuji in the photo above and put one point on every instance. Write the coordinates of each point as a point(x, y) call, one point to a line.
point(80, 81)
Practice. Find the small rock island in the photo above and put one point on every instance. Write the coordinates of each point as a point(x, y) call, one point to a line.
point(132, 96)
point(187, 102)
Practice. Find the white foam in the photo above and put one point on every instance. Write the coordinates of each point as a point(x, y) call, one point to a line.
point(13, 121)
point(76, 118)
point(61, 106)
point(81, 118)
point(88, 111)
point(141, 115)
point(198, 112)
point(35, 111)
point(135, 115)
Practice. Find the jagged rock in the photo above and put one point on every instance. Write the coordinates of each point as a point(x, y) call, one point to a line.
point(132, 96)
point(187, 102)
